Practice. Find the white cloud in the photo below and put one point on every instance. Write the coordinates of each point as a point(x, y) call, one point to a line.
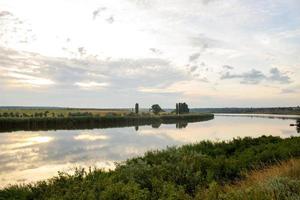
point(91, 85)
point(90, 137)
point(146, 49)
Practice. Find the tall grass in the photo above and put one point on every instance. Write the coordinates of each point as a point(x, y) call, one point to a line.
point(278, 182)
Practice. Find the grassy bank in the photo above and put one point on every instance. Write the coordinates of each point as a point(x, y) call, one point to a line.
point(92, 121)
point(204, 170)
point(280, 181)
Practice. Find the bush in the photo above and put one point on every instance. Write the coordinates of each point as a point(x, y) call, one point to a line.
point(190, 171)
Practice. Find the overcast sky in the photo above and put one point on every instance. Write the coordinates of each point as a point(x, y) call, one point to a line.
point(114, 53)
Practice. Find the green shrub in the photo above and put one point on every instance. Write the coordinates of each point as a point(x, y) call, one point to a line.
point(187, 172)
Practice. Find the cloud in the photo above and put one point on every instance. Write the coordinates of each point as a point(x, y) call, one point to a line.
point(186, 88)
point(194, 57)
point(110, 20)
point(288, 91)
point(295, 89)
point(228, 67)
point(91, 85)
point(255, 76)
point(81, 51)
point(252, 77)
point(17, 70)
point(247, 35)
point(88, 73)
point(90, 137)
point(13, 30)
point(278, 76)
point(204, 42)
point(193, 68)
point(21, 79)
point(155, 51)
point(208, 1)
point(152, 3)
point(5, 13)
point(97, 12)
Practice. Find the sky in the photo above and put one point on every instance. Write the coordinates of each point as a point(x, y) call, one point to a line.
point(114, 53)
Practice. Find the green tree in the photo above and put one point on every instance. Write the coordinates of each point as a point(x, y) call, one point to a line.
point(156, 109)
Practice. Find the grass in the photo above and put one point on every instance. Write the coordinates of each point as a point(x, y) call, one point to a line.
point(277, 182)
point(240, 169)
point(16, 113)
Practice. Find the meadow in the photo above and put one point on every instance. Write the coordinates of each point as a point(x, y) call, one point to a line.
point(20, 112)
point(250, 168)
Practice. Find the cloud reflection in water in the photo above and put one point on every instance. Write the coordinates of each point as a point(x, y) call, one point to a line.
point(31, 156)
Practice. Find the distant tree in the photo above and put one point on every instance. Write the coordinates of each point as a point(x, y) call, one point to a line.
point(182, 108)
point(46, 113)
point(136, 108)
point(156, 109)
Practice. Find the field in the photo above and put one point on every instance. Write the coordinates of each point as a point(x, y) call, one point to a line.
point(56, 112)
point(249, 168)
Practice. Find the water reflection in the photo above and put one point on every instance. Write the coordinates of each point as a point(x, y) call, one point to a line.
point(298, 125)
point(181, 125)
point(7, 125)
point(31, 156)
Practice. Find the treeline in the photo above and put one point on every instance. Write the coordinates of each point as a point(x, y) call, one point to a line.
point(270, 110)
point(91, 121)
point(187, 172)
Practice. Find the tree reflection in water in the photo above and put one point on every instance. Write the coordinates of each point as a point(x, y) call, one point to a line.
point(181, 125)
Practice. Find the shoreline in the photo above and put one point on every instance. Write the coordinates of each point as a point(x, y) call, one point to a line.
point(92, 122)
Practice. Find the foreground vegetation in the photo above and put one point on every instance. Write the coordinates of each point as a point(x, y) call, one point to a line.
point(204, 170)
point(280, 181)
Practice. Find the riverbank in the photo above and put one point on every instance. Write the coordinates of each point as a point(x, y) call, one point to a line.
point(266, 110)
point(90, 122)
point(196, 171)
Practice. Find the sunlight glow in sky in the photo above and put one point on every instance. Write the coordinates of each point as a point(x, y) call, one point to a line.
point(113, 53)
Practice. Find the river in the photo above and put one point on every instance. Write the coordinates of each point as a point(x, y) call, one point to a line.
point(29, 156)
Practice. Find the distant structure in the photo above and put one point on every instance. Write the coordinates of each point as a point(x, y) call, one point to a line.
point(136, 108)
point(182, 108)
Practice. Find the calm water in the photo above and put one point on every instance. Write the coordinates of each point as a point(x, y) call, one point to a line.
point(32, 156)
